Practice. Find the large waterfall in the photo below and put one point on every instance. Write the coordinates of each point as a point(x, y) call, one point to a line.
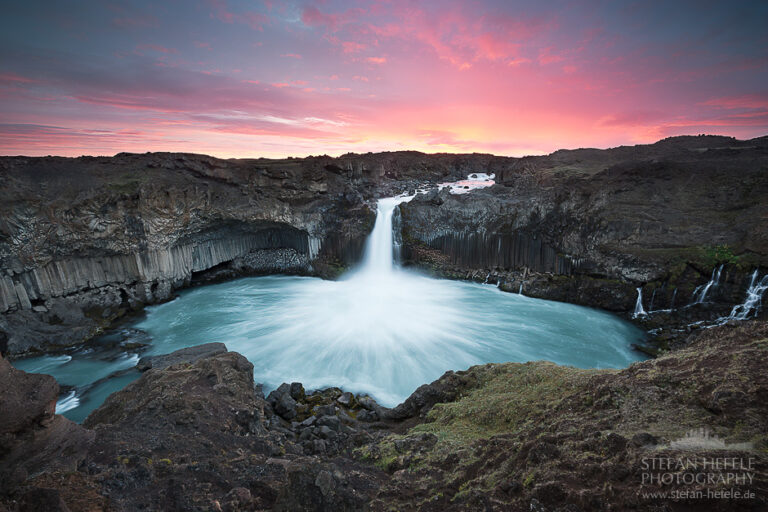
point(379, 248)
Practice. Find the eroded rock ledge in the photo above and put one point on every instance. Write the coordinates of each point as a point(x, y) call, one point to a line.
point(534, 436)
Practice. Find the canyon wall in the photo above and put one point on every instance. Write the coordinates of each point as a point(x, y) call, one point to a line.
point(591, 226)
point(86, 241)
point(174, 264)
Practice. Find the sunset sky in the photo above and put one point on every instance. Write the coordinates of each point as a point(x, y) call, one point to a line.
point(236, 78)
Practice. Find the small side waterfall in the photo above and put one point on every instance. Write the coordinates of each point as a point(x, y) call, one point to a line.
point(704, 289)
point(752, 304)
point(639, 311)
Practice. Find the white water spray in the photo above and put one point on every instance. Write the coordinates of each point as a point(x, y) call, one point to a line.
point(378, 258)
point(713, 281)
point(639, 311)
point(752, 304)
point(67, 403)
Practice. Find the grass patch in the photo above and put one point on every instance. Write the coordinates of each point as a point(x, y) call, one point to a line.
point(508, 397)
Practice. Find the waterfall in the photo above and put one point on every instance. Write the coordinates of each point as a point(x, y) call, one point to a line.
point(653, 298)
point(674, 296)
point(380, 248)
point(752, 303)
point(639, 311)
point(67, 403)
point(713, 281)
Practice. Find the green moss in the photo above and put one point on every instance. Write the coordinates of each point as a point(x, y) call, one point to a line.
point(529, 479)
point(126, 183)
point(509, 397)
point(718, 255)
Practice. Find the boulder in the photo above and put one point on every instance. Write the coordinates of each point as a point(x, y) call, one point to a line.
point(185, 355)
point(33, 439)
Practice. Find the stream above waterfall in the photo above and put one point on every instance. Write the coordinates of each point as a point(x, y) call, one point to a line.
point(380, 330)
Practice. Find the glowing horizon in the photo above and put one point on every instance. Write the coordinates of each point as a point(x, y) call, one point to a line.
point(237, 78)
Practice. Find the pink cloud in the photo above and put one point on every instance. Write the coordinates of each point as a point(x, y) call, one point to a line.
point(13, 77)
point(546, 56)
point(377, 60)
point(156, 48)
point(220, 10)
point(751, 101)
point(352, 47)
point(291, 55)
point(311, 16)
point(517, 61)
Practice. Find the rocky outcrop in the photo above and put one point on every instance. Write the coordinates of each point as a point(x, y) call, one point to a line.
point(33, 440)
point(538, 436)
point(185, 355)
point(198, 436)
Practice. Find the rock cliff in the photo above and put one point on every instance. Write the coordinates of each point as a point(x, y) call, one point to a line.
point(590, 226)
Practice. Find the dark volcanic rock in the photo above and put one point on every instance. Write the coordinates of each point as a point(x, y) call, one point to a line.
point(196, 436)
point(185, 355)
point(590, 226)
point(510, 436)
point(126, 231)
point(546, 437)
point(32, 439)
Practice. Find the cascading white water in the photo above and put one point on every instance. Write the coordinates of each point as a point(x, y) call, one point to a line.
point(639, 311)
point(752, 304)
point(698, 298)
point(379, 248)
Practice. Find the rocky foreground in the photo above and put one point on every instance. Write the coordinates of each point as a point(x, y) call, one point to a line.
point(195, 433)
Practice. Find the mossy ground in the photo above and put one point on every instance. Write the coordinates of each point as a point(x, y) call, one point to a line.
point(565, 435)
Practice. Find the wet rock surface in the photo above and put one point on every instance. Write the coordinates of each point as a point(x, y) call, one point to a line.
point(536, 436)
